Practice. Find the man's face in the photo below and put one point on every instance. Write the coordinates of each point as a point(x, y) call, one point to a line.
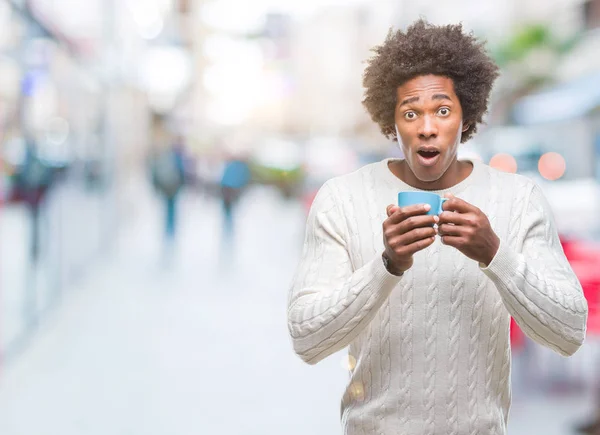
point(429, 121)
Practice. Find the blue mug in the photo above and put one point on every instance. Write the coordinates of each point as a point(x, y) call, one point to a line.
point(412, 198)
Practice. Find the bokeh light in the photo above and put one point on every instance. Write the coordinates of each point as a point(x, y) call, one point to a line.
point(504, 162)
point(348, 362)
point(357, 391)
point(552, 166)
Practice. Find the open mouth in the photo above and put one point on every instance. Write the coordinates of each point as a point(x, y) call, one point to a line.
point(428, 154)
point(428, 158)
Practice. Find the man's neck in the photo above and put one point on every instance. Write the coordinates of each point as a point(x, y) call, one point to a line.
point(457, 172)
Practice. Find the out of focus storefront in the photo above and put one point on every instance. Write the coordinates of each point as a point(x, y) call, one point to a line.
point(73, 132)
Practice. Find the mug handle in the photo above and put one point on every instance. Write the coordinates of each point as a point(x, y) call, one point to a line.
point(442, 201)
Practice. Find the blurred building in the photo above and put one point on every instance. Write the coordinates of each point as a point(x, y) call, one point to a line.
point(80, 85)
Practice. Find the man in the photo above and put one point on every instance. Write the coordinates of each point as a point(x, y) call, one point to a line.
point(234, 180)
point(33, 180)
point(168, 177)
point(424, 302)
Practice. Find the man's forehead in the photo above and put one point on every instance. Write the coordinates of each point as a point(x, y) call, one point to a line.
point(426, 87)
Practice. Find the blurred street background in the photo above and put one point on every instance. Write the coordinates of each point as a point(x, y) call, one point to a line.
point(158, 159)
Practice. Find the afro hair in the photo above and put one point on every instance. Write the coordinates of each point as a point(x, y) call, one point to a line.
point(427, 49)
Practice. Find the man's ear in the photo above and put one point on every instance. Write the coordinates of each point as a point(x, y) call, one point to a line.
point(466, 127)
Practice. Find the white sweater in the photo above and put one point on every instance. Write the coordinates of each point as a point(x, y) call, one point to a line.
point(429, 351)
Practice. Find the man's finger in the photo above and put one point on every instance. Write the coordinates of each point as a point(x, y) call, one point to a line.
point(454, 241)
point(400, 214)
point(452, 217)
point(450, 230)
point(391, 209)
point(417, 246)
point(413, 236)
point(457, 204)
point(412, 223)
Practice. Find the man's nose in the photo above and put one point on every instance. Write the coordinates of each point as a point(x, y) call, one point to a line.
point(428, 127)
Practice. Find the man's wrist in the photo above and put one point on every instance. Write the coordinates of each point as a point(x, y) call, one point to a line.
point(389, 265)
point(492, 252)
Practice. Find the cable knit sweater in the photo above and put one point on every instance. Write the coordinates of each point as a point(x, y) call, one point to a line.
point(429, 351)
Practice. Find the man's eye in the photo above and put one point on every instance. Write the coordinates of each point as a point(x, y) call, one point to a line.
point(444, 111)
point(410, 115)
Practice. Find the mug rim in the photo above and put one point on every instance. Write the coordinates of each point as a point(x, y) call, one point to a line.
point(412, 192)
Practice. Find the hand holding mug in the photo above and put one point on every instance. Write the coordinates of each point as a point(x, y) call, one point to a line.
point(406, 231)
point(467, 228)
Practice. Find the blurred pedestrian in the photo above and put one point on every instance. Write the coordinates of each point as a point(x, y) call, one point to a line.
point(234, 180)
point(424, 298)
point(32, 180)
point(168, 177)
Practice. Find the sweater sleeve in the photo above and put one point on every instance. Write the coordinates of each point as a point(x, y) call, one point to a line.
point(537, 285)
point(329, 302)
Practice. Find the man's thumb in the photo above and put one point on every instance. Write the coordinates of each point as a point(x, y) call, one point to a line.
point(390, 209)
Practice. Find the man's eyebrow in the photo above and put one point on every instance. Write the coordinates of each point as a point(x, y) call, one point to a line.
point(409, 100)
point(441, 97)
point(433, 97)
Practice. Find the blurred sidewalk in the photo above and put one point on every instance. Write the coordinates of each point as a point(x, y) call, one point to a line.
point(195, 345)
point(70, 239)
